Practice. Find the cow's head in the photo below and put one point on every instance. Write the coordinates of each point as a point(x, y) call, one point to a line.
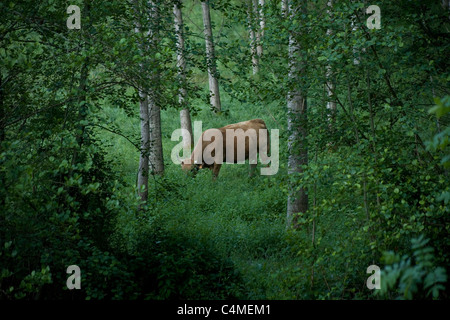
point(190, 167)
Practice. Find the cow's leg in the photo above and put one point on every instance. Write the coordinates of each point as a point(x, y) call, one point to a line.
point(215, 170)
point(252, 170)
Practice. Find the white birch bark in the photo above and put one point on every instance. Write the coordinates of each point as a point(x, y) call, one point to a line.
point(252, 36)
point(262, 20)
point(156, 152)
point(211, 59)
point(297, 107)
point(330, 83)
point(185, 116)
point(258, 32)
point(284, 8)
point(143, 170)
point(355, 51)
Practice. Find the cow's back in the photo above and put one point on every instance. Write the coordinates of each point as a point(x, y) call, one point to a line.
point(255, 124)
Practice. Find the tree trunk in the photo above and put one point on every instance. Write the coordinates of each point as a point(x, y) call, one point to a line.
point(2, 114)
point(185, 123)
point(252, 35)
point(354, 29)
point(185, 116)
point(262, 19)
point(211, 59)
point(143, 171)
point(284, 8)
point(330, 82)
point(297, 123)
point(156, 152)
point(82, 103)
point(2, 139)
point(258, 32)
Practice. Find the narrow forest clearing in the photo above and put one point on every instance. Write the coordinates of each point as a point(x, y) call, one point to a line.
point(241, 218)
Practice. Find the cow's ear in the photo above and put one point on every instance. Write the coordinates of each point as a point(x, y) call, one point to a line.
point(182, 162)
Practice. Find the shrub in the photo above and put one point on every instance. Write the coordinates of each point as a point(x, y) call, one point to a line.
point(415, 277)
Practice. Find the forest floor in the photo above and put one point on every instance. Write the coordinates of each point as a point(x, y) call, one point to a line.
point(244, 217)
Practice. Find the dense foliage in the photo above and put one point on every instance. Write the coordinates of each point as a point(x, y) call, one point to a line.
point(377, 177)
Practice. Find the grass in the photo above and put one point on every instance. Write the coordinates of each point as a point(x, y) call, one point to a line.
point(242, 217)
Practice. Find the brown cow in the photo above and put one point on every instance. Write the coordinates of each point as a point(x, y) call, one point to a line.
point(251, 138)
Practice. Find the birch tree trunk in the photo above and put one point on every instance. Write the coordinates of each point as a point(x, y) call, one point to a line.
point(330, 82)
point(156, 152)
point(83, 111)
point(2, 138)
point(297, 122)
point(355, 51)
point(82, 98)
point(2, 114)
point(258, 32)
point(185, 116)
point(143, 171)
point(252, 36)
point(445, 4)
point(211, 59)
point(262, 26)
point(284, 8)
point(262, 19)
